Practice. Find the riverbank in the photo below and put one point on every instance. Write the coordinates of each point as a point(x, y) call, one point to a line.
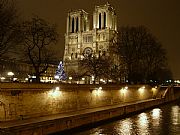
point(56, 123)
point(64, 121)
point(163, 119)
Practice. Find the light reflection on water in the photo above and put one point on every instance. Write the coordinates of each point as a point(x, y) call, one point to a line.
point(143, 124)
point(158, 121)
point(156, 113)
point(124, 127)
point(156, 117)
point(175, 115)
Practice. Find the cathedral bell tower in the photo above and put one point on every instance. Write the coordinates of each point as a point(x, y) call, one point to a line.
point(77, 23)
point(105, 28)
point(104, 17)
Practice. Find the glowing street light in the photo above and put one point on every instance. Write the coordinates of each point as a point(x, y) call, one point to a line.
point(98, 91)
point(141, 90)
point(57, 88)
point(123, 92)
point(56, 76)
point(55, 93)
point(92, 78)
point(70, 78)
point(10, 73)
point(3, 78)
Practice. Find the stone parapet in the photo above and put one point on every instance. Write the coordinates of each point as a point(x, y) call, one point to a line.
point(26, 100)
point(53, 108)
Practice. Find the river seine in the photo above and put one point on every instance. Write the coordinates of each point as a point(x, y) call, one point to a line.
point(164, 120)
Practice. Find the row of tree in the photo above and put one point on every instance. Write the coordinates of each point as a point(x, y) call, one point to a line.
point(31, 40)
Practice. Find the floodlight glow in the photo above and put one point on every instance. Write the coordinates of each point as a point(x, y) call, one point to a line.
point(124, 90)
point(101, 80)
point(14, 79)
point(141, 90)
point(156, 113)
point(33, 76)
point(57, 88)
point(56, 77)
point(177, 81)
point(110, 80)
point(98, 91)
point(54, 93)
point(3, 78)
point(10, 73)
point(153, 89)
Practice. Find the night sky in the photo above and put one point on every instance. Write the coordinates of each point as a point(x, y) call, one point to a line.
point(162, 17)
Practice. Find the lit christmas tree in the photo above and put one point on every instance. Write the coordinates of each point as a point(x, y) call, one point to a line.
point(60, 73)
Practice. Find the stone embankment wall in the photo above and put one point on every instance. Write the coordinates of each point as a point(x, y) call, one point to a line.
point(21, 101)
point(114, 105)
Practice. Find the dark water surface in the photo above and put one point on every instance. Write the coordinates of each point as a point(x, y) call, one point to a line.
point(164, 120)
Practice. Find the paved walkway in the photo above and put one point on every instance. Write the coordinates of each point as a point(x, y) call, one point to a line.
point(16, 123)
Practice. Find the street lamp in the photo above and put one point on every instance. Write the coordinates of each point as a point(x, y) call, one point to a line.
point(124, 91)
point(70, 78)
point(11, 74)
point(2, 79)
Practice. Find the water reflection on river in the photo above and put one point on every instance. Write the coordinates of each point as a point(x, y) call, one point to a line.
point(158, 121)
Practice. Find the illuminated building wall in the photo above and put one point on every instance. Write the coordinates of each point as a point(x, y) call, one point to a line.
point(23, 71)
point(82, 40)
point(19, 69)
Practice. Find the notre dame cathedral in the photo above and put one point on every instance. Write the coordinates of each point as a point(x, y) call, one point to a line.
point(84, 37)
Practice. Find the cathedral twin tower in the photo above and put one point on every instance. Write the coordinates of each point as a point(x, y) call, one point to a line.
point(82, 39)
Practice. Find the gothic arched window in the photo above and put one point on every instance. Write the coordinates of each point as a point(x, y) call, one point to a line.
point(104, 20)
point(76, 55)
point(73, 25)
point(100, 21)
point(69, 25)
point(77, 24)
point(84, 25)
point(71, 55)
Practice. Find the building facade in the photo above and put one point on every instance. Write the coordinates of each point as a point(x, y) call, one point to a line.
point(82, 38)
point(17, 71)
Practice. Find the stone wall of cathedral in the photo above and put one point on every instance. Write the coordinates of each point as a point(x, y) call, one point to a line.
point(80, 40)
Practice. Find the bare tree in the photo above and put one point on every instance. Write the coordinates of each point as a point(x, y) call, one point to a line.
point(96, 66)
point(141, 52)
point(118, 73)
point(9, 27)
point(39, 37)
point(75, 74)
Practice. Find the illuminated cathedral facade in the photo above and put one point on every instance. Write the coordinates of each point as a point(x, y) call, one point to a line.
point(84, 37)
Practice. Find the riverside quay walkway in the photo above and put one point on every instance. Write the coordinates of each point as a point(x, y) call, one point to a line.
point(60, 122)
